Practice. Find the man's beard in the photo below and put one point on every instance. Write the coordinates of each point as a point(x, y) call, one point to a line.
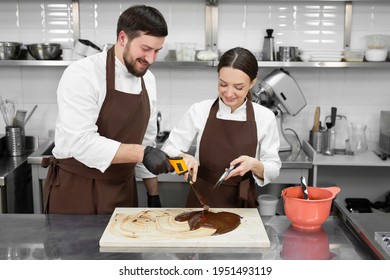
point(132, 70)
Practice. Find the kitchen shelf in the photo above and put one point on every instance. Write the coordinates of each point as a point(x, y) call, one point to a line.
point(212, 42)
point(183, 64)
point(34, 63)
point(321, 64)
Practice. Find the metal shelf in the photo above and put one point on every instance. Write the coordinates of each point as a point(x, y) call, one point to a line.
point(192, 64)
point(300, 64)
point(34, 63)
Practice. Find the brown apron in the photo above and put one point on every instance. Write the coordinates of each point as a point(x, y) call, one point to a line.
point(223, 141)
point(74, 188)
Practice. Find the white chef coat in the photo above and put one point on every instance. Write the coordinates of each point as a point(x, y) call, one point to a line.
point(80, 95)
point(193, 122)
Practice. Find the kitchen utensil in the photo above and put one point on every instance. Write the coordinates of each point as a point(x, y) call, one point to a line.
point(3, 112)
point(29, 115)
point(180, 167)
point(267, 204)
point(315, 140)
point(376, 55)
point(304, 188)
point(10, 50)
point(224, 175)
point(308, 214)
point(316, 123)
point(353, 55)
point(185, 51)
point(333, 115)
point(305, 57)
point(16, 140)
point(341, 129)
point(197, 193)
point(382, 156)
point(315, 137)
point(8, 111)
point(358, 139)
point(287, 53)
point(329, 141)
point(44, 51)
point(20, 117)
point(268, 46)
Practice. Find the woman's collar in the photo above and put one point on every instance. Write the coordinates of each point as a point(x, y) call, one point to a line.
point(226, 109)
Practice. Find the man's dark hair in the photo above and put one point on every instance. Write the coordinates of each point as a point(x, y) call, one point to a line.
point(141, 18)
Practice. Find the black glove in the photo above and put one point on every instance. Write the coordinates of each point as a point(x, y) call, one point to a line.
point(156, 161)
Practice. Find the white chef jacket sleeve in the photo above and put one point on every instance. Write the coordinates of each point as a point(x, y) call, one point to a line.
point(268, 150)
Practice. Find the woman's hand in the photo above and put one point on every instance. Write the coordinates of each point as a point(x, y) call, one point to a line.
point(192, 165)
point(245, 164)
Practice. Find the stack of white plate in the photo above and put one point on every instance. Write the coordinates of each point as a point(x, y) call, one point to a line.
point(321, 55)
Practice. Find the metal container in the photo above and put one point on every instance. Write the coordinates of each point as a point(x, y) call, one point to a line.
point(9, 50)
point(315, 140)
point(268, 46)
point(44, 51)
point(16, 140)
point(288, 53)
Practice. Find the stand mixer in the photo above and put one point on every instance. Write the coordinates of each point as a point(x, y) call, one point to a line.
point(280, 92)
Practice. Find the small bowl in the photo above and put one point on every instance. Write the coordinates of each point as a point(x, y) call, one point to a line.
point(308, 214)
point(376, 54)
point(351, 55)
point(10, 50)
point(305, 57)
point(44, 51)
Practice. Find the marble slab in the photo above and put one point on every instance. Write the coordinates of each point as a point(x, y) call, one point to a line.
point(128, 227)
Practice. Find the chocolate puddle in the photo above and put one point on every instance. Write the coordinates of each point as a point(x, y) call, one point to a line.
point(223, 222)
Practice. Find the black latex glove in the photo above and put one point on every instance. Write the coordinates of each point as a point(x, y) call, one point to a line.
point(156, 161)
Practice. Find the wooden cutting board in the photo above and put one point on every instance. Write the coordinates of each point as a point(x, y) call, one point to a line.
point(156, 227)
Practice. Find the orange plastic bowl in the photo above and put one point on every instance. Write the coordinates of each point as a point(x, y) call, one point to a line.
point(312, 213)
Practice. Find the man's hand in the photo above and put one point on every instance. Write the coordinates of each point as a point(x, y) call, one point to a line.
point(156, 161)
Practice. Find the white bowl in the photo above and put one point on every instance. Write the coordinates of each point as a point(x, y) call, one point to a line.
point(376, 54)
point(305, 57)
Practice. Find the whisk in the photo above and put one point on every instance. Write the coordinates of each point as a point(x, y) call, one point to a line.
point(8, 111)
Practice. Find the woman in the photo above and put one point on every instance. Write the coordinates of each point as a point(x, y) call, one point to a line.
point(230, 130)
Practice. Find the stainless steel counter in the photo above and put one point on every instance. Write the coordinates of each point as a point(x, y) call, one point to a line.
point(75, 237)
point(365, 225)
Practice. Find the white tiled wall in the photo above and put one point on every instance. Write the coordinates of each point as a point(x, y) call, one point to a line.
point(357, 93)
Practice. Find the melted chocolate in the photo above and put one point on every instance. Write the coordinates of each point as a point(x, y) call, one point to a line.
point(223, 222)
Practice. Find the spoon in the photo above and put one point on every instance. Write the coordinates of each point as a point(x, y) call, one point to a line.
point(304, 188)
